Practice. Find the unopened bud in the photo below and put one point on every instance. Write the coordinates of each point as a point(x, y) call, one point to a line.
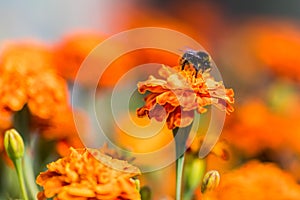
point(210, 181)
point(13, 144)
point(145, 193)
point(137, 184)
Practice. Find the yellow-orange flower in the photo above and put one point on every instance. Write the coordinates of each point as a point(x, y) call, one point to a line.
point(255, 180)
point(89, 174)
point(180, 93)
point(27, 76)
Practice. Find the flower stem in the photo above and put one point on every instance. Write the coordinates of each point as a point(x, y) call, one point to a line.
point(21, 122)
point(29, 176)
point(19, 169)
point(180, 135)
point(179, 173)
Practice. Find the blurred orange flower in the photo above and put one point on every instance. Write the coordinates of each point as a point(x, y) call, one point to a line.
point(267, 133)
point(89, 174)
point(5, 119)
point(252, 133)
point(277, 45)
point(141, 16)
point(27, 76)
point(72, 50)
point(180, 93)
point(262, 130)
point(255, 180)
point(5, 123)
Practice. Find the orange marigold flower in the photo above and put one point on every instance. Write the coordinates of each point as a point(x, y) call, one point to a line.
point(255, 180)
point(75, 48)
point(276, 49)
point(72, 50)
point(26, 58)
point(180, 93)
point(264, 130)
point(27, 76)
point(89, 174)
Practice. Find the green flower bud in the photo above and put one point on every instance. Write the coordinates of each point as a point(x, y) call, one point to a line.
point(13, 144)
point(145, 193)
point(210, 181)
point(137, 183)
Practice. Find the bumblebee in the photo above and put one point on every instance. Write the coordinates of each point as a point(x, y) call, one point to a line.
point(198, 59)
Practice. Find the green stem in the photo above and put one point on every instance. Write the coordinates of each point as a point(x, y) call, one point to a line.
point(180, 135)
point(29, 176)
point(179, 173)
point(19, 169)
point(188, 195)
point(21, 123)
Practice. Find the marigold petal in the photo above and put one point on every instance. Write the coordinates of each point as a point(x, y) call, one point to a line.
point(152, 84)
point(166, 71)
point(180, 118)
point(167, 97)
point(157, 112)
point(77, 190)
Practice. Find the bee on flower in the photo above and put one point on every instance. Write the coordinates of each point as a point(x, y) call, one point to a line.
point(183, 89)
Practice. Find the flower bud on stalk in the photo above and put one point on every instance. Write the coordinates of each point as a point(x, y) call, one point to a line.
point(13, 144)
point(210, 181)
point(137, 184)
point(146, 193)
point(14, 147)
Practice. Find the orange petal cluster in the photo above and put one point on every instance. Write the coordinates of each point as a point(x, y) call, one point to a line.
point(179, 93)
point(27, 76)
point(89, 174)
point(255, 180)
